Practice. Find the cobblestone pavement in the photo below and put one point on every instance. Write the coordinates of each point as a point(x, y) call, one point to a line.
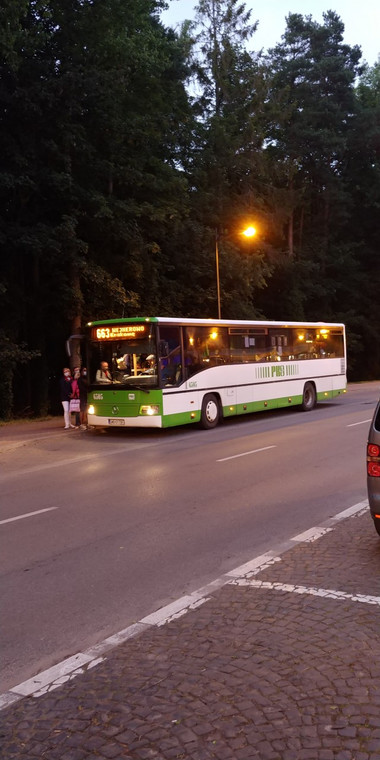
point(279, 664)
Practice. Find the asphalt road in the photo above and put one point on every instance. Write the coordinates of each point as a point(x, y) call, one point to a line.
point(135, 519)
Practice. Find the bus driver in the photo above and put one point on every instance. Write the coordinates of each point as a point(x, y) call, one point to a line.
point(103, 374)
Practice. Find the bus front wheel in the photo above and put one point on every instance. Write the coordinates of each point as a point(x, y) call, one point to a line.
point(309, 398)
point(210, 413)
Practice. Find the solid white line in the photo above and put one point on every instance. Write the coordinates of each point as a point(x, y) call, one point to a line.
point(27, 514)
point(326, 593)
point(245, 453)
point(364, 422)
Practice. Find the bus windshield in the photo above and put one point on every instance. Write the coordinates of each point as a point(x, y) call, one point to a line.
point(128, 360)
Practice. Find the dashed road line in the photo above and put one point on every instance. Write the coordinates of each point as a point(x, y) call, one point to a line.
point(310, 535)
point(27, 514)
point(245, 453)
point(363, 422)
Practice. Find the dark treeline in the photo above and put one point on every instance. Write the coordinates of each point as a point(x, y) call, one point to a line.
point(127, 147)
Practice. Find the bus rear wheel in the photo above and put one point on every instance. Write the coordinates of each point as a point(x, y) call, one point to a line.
point(210, 413)
point(309, 398)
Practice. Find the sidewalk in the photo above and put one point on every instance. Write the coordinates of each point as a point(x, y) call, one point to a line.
point(29, 429)
point(279, 661)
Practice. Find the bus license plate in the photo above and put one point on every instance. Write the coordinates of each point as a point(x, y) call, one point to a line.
point(116, 422)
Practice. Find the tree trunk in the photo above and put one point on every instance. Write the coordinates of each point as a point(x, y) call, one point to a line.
point(76, 359)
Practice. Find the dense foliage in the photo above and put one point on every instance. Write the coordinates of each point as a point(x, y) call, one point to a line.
point(127, 148)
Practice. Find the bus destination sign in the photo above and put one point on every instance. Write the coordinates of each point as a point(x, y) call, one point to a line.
point(118, 332)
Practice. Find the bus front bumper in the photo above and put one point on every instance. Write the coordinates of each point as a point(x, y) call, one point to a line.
point(148, 421)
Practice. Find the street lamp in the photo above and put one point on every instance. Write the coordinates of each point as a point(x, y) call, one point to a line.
point(249, 232)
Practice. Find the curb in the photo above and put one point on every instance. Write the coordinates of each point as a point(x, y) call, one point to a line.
point(70, 668)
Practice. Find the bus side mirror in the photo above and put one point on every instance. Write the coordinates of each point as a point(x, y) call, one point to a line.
point(69, 342)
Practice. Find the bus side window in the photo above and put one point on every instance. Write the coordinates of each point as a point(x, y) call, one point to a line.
point(169, 347)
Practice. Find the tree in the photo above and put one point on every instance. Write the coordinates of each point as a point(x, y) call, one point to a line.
point(94, 111)
point(310, 109)
point(227, 149)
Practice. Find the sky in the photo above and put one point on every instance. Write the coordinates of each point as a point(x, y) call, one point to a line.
point(361, 19)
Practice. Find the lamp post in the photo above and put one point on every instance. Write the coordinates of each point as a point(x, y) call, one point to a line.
point(217, 272)
point(249, 232)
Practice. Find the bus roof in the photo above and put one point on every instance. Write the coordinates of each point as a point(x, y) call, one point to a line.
point(207, 322)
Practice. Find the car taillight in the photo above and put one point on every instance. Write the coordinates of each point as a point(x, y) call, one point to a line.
point(373, 469)
point(373, 460)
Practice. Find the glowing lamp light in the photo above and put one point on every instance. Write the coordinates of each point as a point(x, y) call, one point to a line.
point(249, 232)
point(91, 409)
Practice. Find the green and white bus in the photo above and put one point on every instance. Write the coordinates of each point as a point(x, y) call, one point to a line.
point(161, 371)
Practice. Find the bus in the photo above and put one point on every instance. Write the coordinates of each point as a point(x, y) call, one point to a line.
point(162, 371)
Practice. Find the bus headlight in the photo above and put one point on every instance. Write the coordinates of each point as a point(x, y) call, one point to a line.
point(149, 409)
point(91, 409)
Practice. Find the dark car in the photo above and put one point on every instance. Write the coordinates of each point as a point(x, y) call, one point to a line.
point(373, 468)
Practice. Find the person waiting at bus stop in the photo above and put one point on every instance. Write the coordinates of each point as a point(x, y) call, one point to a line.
point(83, 387)
point(103, 374)
point(66, 395)
point(75, 393)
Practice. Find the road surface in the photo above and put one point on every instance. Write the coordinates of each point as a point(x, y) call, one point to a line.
point(100, 529)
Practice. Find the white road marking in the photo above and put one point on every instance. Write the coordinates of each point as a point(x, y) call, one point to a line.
point(245, 453)
point(363, 422)
point(310, 535)
point(361, 506)
point(327, 593)
point(68, 669)
point(27, 514)
point(255, 566)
